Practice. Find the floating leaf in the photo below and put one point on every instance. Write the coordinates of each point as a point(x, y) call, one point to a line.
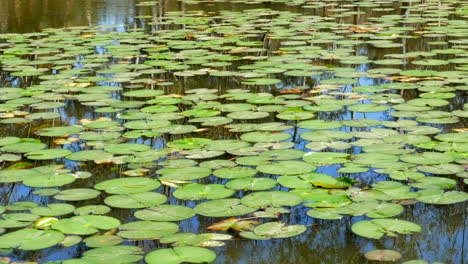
point(377, 228)
point(180, 254)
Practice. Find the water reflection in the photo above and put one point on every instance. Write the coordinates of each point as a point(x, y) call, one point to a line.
point(34, 15)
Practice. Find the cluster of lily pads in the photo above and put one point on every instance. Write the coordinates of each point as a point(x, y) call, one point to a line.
point(258, 149)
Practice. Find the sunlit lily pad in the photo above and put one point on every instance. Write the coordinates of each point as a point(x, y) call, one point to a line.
point(128, 185)
point(379, 227)
point(142, 230)
point(223, 208)
point(85, 224)
point(180, 254)
point(31, 239)
point(200, 192)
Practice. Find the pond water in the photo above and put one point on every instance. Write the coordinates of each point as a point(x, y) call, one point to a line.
point(326, 129)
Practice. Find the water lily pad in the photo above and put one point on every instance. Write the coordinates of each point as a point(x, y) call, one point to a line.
point(428, 158)
point(383, 255)
point(274, 230)
point(326, 158)
point(103, 241)
point(125, 148)
point(223, 208)
point(184, 174)
point(128, 185)
point(201, 192)
point(31, 239)
point(441, 197)
point(254, 184)
point(180, 254)
point(59, 131)
point(136, 200)
point(234, 172)
point(46, 154)
point(165, 213)
point(53, 209)
point(287, 167)
point(85, 224)
point(271, 199)
point(113, 254)
point(142, 230)
point(265, 136)
point(377, 228)
point(77, 194)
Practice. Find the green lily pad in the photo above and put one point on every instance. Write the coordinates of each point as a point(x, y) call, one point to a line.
point(47, 154)
point(53, 209)
point(427, 158)
point(31, 239)
point(326, 158)
point(253, 184)
point(165, 213)
point(113, 254)
point(287, 167)
point(234, 172)
point(142, 230)
point(180, 254)
point(440, 197)
point(136, 200)
point(128, 185)
point(377, 228)
point(184, 174)
point(59, 131)
point(271, 199)
point(103, 241)
point(85, 224)
point(274, 230)
point(77, 194)
point(223, 208)
point(201, 192)
point(265, 137)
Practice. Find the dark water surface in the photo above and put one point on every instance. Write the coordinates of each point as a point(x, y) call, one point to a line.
point(444, 226)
